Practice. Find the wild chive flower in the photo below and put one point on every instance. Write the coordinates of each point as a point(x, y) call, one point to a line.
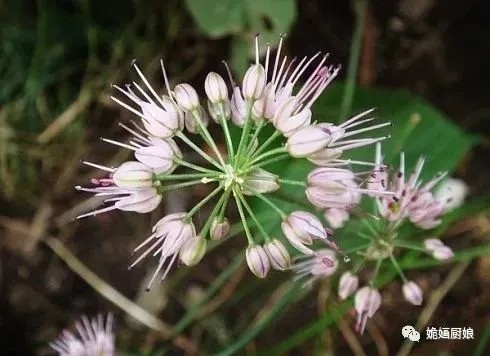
point(408, 200)
point(93, 337)
point(270, 94)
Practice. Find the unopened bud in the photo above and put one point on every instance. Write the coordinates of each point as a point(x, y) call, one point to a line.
point(190, 120)
point(348, 284)
point(412, 293)
point(186, 97)
point(219, 228)
point(278, 255)
point(260, 181)
point(133, 174)
point(257, 260)
point(193, 250)
point(336, 217)
point(307, 140)
point(215, 88)
point(254, 82)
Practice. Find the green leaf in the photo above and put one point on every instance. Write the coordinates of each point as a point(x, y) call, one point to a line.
point(218, 18)
point(419, 129)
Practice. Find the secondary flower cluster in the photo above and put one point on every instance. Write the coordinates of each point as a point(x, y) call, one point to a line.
point(93, 337)
point(270, 95)
point(413, 201)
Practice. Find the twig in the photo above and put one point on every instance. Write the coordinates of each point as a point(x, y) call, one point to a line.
point(350, 337)
point(433, 302)
point(65, 118)
point(111, 294)
point(378, 339)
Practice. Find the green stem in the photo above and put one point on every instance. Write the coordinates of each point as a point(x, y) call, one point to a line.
point(181, 185)
point(244, 220)
point(202, 202)
point(248, 151)
point(292, 182)
point(268, 161)
point(185, 176)
point(229, 142)
point(245, 132)
point(409, 245)
point(375, 274)
point(193, 166)
point(207, 136)
point(254, 218)
point(272, 205)
point(219, 204)
point(266, 144)
point(198, 150)
point(355, 49)
point(398, 268)
point(267, 154)
point(225, 204)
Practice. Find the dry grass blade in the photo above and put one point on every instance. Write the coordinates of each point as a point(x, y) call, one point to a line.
point(111, 294)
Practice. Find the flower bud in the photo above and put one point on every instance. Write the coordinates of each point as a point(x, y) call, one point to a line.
point(307, 140)
point(159, 155)
point(336, 217)
point(215, 110)
point(260, 181)
point(332, 188)
point(325, 156)
point(133, 174)
point(257, 260)
point(348, 284)
point(254, 82)
point(215, 88)
point(192, 250)
point(300, 227)
point(278, 255)
point(443, 253)
point(452, 192)
point(190, 120)
point(412, 293)
point(219, 229)
point(437, 249)
point(238, 108)
point(186, 97)
point(162, 122)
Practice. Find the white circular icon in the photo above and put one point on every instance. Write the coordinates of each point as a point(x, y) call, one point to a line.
point(409, 332)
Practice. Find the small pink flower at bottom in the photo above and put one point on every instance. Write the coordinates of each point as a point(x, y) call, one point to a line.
point(367, 301)
point(93, 338)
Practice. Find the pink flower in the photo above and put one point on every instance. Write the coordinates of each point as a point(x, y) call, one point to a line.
point(257, 260)
point(94, 338)
point(168, 237)
point(366, 301)
point(322, 263)
point(412, 293)
point(348, 284)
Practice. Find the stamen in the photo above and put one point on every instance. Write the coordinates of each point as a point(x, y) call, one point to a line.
point(278, 54)
point(374, 127)
point(118, 143)
point(107, 169)
point(352, 119)
point(95, 212)
point(165, 78)
point(257, 48)
point(150, 88)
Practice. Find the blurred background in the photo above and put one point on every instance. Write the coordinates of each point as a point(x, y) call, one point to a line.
point(424, 62)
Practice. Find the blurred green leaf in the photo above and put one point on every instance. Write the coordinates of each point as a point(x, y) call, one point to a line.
point(218, 18)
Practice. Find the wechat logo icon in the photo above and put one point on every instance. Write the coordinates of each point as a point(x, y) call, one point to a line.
point(409, 332)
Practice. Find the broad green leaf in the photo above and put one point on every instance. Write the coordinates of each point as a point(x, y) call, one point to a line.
point(218, 18)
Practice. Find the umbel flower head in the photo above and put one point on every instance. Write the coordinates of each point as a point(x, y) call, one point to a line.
point(278, 93)
point(92, 338)
point(410, 200)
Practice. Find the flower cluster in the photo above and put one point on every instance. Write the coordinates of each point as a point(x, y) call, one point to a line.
point(413, 201)
point(270, 95)
point(93, 338)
